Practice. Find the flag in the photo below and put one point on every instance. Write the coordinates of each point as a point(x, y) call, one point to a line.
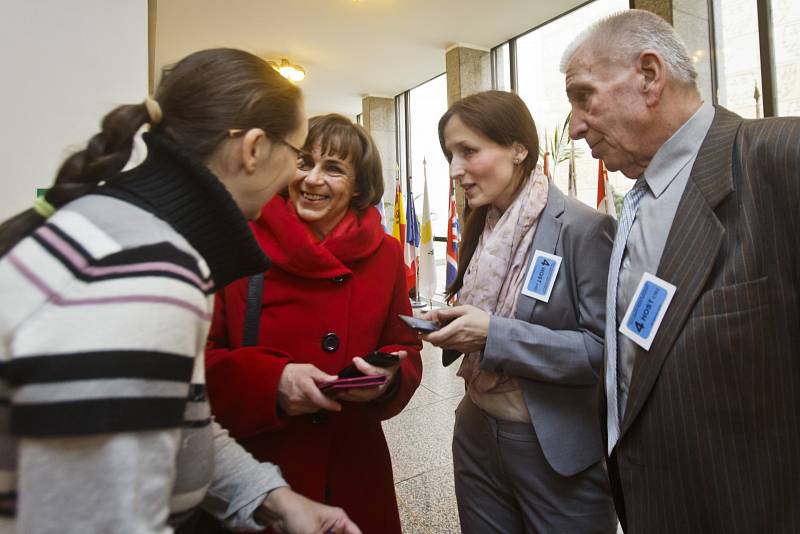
point(412, 238)
point(605, 194)
point(427, 262)
point(399, 224)
point(453, 236)
point(572, 189)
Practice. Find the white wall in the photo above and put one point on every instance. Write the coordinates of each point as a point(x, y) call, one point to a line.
point(64, 65)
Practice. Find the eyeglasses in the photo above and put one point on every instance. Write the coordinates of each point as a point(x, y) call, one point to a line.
point(303, 157)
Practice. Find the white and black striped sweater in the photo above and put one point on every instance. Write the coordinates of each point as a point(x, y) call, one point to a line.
point(104, 422)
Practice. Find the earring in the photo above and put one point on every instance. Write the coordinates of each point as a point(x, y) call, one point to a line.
point(516, 161)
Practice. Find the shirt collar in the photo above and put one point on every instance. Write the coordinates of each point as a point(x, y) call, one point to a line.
point(679, 150)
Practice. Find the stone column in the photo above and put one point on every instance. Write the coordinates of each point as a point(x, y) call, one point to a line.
point(469, 71)
point(378, 116)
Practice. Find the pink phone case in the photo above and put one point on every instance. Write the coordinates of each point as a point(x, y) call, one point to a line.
point(369, 381)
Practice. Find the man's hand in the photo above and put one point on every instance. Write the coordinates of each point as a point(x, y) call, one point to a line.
point(370, 394)
point(288, 512)
point(466, 328)
point(298, 392)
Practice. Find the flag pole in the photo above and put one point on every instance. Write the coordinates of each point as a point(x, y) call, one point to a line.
point(757, 98)
point(417, 303)
point(425, 181)
point(417, 262)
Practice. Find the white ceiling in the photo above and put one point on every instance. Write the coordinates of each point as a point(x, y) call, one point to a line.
point(348, 49)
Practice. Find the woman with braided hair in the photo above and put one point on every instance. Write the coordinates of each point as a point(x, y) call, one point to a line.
point(107, 286)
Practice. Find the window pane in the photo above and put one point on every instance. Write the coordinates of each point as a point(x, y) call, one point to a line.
point(690, 19)
point(428, 103)
point(541, 86)
point(502, 68)
point(786, 35)
point(738, 63)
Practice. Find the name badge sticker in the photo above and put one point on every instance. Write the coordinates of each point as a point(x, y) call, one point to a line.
point(647, 309)
point(542, 275)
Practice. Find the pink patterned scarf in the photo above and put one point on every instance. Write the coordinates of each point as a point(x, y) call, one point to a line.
point(497, 271)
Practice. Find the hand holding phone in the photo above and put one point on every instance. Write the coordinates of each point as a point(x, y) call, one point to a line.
point(376, 358)
point(378, 366)
point(298, 390)
point(367, 381)
point(420, 325)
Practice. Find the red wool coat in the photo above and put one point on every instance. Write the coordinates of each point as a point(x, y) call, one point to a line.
point(348, 289)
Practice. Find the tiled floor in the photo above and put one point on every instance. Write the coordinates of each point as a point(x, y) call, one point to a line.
point(419, 441)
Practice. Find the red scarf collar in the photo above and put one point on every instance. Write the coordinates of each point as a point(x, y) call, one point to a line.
point(291, 245)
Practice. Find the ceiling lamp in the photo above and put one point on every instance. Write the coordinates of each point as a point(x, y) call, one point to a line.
point(290, 71)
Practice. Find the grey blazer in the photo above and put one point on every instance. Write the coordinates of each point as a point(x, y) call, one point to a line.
point(555, 349)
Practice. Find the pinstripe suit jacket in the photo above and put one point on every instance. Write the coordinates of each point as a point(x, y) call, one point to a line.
point(710, 437)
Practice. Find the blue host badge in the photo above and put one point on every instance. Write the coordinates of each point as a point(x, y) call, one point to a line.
point(542, 275)
point(647, 310)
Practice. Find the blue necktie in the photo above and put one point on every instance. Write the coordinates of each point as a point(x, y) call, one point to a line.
point(629, 207)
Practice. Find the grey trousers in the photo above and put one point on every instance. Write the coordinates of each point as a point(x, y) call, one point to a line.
point(504, 484)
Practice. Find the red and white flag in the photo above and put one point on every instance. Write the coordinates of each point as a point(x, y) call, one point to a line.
point(605, 194)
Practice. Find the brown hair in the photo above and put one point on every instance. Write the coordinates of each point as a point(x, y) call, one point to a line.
point(201, 97)
point(505, 119)
point(340, 137)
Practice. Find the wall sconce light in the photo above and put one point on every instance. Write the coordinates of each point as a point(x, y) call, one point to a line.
point(288, 70)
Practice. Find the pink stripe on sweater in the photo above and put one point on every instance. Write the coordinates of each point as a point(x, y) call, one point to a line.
point(59, 300)
point(80, 263)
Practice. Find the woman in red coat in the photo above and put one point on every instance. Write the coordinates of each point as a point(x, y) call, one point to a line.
point(332, 294)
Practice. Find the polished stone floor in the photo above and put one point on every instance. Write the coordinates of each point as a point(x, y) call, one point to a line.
point(419, 441)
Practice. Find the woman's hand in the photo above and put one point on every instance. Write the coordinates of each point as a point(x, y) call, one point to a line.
point(466, 328)
point(370, 394)
point(298, 392)
point(288, 512)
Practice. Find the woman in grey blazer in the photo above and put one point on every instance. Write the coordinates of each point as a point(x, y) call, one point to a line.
point(530, 289)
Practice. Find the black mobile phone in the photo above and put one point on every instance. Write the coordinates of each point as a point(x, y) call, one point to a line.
point(376, 358)
point(420, 325)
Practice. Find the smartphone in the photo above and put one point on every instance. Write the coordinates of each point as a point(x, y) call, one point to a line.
point(376, 358)
point(420, 325)
point(370, 381)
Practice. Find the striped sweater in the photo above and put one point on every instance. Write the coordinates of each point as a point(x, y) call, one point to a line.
point(104, 421)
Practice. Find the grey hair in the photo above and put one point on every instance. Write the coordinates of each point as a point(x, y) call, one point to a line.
point(626, 34)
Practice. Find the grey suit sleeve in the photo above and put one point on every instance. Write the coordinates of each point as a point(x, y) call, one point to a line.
point(240, 483)
point(518, 348)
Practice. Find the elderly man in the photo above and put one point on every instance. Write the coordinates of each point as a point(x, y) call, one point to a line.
point(702, 376)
